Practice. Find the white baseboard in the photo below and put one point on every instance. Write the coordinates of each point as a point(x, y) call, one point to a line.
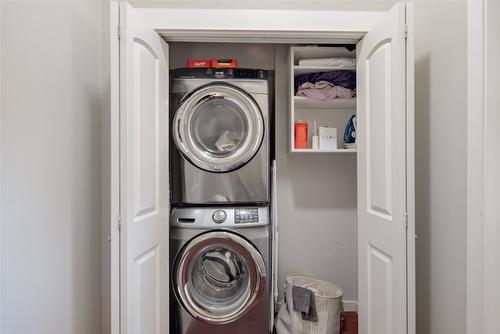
point(350, 305)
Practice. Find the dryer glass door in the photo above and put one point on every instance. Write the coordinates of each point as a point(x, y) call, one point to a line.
point(218, 128)
point(218, 276)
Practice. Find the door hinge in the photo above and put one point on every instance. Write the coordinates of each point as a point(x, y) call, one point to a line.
point(405, 31)
point(119, 222)
point(119, 31)
point(406, 220)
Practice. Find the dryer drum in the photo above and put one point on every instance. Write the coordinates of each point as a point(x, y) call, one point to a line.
point(218, 127)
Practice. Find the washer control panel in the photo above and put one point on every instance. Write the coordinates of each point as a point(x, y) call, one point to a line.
point(246, 215)
point(220, 217)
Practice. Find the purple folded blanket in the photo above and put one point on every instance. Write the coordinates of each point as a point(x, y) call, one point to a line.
point(343, 78)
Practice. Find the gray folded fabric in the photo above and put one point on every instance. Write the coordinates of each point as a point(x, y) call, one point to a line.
point(303, 302)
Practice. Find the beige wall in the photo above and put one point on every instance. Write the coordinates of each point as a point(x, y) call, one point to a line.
point(440, 110)
point(50, 167)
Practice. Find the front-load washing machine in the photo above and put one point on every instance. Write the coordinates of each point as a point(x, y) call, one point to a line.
point(220, 138)
point(220, 265)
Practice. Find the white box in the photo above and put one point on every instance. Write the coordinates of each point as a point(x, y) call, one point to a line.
point(327, 138)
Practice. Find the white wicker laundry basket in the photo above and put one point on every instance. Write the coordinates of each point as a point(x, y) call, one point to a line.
point(328, 299)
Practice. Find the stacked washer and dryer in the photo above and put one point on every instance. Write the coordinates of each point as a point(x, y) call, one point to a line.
point(220, 246)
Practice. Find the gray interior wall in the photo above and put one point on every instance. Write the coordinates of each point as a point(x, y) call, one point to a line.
point(440, 110)
point(50, 172)
point(316, 193)
point(316, 204)
point(249, 55)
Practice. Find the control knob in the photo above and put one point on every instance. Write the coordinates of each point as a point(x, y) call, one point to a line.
point(219, 216)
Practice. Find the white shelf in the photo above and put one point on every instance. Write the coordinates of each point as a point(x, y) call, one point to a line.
point(335, 113)
point(330, 151)
point(303, 102)
point(313, 51)
point(298, 69)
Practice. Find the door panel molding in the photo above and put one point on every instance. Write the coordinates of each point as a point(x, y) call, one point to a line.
point(380, 295)
point(378, 94)
point(146, 121)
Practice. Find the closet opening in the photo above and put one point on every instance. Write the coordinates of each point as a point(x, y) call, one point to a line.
point(312, 86)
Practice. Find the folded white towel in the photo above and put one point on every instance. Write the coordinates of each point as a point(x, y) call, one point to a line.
point(340, 62)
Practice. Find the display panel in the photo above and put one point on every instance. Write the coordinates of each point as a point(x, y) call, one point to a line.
point(250, 215)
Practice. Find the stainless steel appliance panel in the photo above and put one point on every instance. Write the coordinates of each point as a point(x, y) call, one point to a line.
point(190, 225)
point(247, 184)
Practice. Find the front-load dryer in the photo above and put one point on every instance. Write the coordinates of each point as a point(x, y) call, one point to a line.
point(220, 141)
point(220, 270)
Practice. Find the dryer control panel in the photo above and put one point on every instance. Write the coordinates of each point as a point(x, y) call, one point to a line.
point(219, 73)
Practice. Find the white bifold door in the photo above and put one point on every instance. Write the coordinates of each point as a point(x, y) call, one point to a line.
point(144, 189)
point(385, 176)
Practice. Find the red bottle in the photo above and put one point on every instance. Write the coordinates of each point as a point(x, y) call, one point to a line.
point(301, 134)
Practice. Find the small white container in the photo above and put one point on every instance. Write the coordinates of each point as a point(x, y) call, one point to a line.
point(327, 138)
point(315, 142)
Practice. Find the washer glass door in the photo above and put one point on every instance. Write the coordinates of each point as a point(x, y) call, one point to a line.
point(218, 275)
point(218, 127)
